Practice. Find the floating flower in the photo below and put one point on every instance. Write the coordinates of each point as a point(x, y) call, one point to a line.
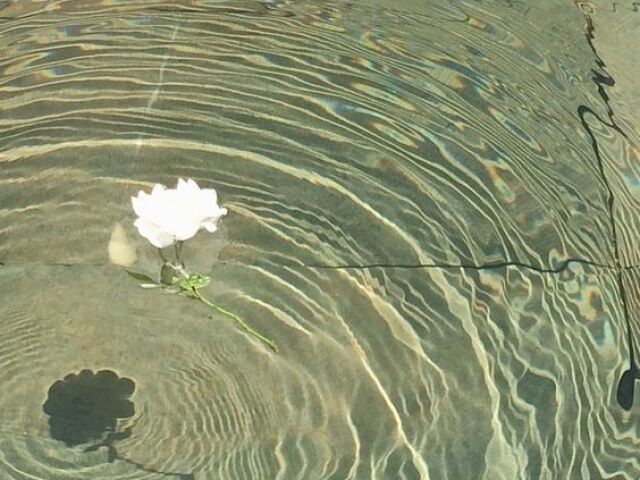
point(167, 216)
point(170, 216)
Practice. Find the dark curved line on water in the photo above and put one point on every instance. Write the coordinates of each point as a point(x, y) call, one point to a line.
point(602, 80)
point(114, 455)
point(624, 392)
point(408, 266)
point(452, 266)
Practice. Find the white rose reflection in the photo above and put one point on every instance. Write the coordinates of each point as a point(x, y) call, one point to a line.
point(176, 214)
point(168, 217)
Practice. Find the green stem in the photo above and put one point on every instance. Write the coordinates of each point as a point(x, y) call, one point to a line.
point(270, 343)
point(177, 248)
point(164, 259)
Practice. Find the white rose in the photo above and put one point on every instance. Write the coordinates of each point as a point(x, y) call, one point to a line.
point(169, 215)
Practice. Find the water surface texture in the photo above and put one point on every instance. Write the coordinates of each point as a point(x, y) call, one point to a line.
point(433, 208)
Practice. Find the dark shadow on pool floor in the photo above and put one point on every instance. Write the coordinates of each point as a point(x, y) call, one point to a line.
point(84, 410)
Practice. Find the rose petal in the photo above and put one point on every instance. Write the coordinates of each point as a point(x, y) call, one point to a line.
point(210, 196)
point(186, 231)
point(177, 213)
point(193, 186)
point(158, 189)
point(154, 234)
point(181, 185)
point(211, 226)
point(138, 204)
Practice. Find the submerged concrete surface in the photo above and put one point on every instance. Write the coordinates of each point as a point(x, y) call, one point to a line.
point(363, 161)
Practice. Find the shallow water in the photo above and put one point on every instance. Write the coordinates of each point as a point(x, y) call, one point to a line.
point(433, 208)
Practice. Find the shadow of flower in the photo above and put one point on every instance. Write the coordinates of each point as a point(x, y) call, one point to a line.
point(84, 408)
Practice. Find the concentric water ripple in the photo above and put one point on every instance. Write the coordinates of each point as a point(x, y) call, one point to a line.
point(385, 382)
point(451, 138)
point(363, 155)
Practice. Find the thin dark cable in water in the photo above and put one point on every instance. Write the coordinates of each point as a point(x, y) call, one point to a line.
point(624, 393)
point(114, 455)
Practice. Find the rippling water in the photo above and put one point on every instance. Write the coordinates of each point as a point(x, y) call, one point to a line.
point(433, 209)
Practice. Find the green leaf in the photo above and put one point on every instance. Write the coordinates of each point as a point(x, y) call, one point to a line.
point(141, 277)
point(167, 274)
point(195, 282)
